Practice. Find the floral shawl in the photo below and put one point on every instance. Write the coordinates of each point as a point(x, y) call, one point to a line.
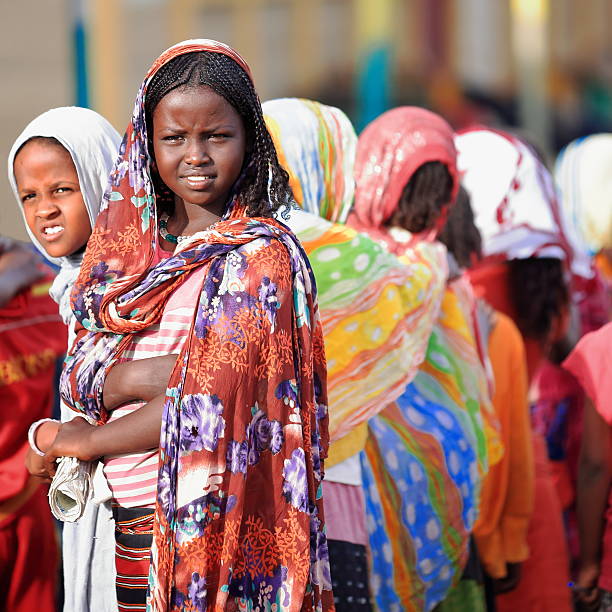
point(239, 516)
point(377, 311)
point(427, 452)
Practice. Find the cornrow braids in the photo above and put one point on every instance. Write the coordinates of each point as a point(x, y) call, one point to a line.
point(424, 196)
point(460, 234)
point(264, 184)
point(539, 293)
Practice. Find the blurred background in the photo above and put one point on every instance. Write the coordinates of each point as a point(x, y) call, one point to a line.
point(542, 66)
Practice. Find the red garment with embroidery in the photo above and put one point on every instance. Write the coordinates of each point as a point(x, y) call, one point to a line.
point(32, 338)
point(239, 514)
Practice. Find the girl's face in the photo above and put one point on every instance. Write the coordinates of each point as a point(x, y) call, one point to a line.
point(50, 194)
point(199, 144)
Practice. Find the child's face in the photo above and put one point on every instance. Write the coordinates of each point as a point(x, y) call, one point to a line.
point(199, 144)
point(51, 197)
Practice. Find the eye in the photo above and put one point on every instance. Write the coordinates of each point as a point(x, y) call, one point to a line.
point(64, 190)
point(219, 137)
point(27, 196)
point(172, 138)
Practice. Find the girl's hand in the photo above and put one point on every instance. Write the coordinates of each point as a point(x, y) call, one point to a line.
point(73, 440)
point(35, 464)
point(45, 435)
point(510, 581)
point(585, 588)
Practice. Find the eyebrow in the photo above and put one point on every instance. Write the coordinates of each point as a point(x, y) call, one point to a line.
point(215, 128)
point(55, 185)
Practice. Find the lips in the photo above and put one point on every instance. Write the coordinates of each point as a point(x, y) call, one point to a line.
point(50, 233)
point(199, 181)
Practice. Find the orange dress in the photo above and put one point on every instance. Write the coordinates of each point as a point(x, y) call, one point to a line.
point(545, 574)
point(507, 494)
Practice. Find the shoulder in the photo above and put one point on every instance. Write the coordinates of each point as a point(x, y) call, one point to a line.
point(591, 352)
point(506, 338)
point(264, 259)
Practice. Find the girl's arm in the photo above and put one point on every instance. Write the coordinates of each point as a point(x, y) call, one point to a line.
point(144, 380)
point(593, 487)
point(137, 431)
point(141, 380)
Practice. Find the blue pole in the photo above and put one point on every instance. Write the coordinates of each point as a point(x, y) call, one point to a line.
point(373, 85)
point(81, 84)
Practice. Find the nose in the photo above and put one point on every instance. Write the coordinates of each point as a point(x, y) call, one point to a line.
point(46, 208)
point(196, 153)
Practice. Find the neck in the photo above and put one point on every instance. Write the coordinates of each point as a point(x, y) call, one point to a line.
point(188, 219)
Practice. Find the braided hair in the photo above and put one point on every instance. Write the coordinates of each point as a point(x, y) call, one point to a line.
point(460, 234)
point(539, 293)
point(425, 195)
point(264, 184)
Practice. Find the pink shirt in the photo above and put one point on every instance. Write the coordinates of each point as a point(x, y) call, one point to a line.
point(589, 362)
point(132, 478)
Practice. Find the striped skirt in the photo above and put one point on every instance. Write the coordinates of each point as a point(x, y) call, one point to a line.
point(133, 537)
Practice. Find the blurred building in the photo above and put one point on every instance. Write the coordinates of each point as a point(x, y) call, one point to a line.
point(541, 64)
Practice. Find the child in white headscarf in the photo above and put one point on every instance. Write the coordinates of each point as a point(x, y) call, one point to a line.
point(58, 168)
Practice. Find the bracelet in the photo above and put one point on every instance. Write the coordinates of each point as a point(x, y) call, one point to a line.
point(32, 434)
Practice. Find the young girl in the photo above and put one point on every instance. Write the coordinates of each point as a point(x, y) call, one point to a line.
point(506, 500)
point(58, 168)
point(522, 274)
point(32, 339)
point(377, 313)
point(442, 428)
point(238, 518)
point(589, 363)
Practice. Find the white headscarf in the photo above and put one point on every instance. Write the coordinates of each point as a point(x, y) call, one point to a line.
point(512, 196)
point(515, 201)
point(93, 144)
point(584, 175)
point(318, 143)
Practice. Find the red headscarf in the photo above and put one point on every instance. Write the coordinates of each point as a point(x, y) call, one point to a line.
point(196, 45)
point(390, 150)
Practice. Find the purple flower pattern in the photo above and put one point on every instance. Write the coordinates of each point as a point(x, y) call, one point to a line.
point(198, 592)
point(295, 485)
point(265, 592)
point(236, 456)
point(201, 422)
point(269, 300)
point(261, 435)
point(277, 437)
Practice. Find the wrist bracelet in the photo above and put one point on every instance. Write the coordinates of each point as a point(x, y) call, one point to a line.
point(32, 434)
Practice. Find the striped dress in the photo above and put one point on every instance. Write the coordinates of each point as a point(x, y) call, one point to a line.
point(132, 478)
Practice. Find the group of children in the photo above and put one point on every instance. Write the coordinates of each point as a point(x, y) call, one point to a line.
point(302, 362)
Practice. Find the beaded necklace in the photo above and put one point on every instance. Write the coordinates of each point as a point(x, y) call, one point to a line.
point(165, 234)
